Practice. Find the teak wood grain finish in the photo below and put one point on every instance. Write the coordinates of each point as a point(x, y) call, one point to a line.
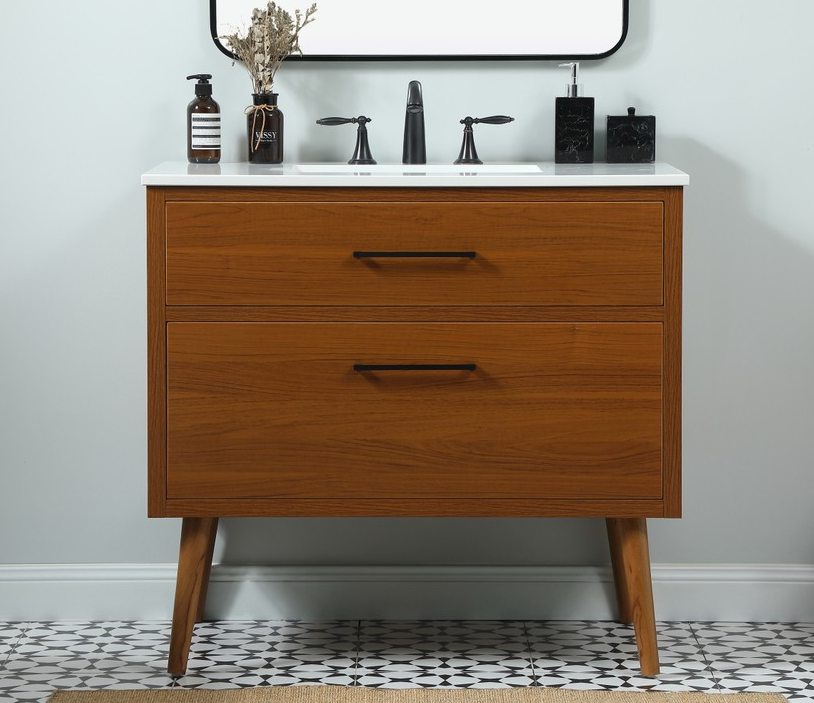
point(302, 254)
point(562, 322)
point(275, 410)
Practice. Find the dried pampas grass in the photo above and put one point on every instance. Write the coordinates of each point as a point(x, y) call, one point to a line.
point(272, 36)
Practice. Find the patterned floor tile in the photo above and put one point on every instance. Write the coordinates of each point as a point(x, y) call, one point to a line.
point(769, 657)
point(144, 639)
point(271, 653)
point(12, 690)
point(10, 634)
point(804, 696)
point(37, 680)
point(85, 655)
point(603, 655)
point(36, 658)
point(50, 638)
point(443, 654)
point(63, 671)
point(229, 677)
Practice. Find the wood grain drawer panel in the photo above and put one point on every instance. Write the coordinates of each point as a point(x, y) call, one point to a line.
point(552, 411)
point(527, 253)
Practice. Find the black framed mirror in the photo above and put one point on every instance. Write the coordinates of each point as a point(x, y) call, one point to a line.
point(353, 30)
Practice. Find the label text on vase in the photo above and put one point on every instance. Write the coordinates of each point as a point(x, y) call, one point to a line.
point(266, 137)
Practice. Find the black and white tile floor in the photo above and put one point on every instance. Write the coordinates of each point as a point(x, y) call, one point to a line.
point(38, 657)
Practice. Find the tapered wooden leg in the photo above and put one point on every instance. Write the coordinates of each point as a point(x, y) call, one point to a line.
point(194, 560)
point(615, 543)
point(633, 555)
point(213, 531)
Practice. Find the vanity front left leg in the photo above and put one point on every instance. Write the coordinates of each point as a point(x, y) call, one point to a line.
point(630, 554)
point(194, 564)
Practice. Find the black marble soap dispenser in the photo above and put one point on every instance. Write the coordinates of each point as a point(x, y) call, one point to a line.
point(574, 123)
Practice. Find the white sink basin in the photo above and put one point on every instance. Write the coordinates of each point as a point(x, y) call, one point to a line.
point(417, 169)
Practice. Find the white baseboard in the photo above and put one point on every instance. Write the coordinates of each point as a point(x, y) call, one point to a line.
point(743, 592)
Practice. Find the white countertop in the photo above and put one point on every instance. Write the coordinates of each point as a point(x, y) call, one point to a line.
point(432, 175)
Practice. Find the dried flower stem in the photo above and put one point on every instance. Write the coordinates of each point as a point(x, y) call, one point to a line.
point(272, 36)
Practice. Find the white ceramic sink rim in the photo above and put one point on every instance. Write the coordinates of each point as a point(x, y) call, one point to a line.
point(418, 169)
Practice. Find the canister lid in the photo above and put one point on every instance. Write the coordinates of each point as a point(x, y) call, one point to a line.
point(631, 115)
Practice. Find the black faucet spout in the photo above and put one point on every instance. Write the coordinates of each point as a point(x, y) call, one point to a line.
point(415, 147)
point(415, 101)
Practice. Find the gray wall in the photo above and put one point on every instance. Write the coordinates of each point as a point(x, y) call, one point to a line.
point(92, 96)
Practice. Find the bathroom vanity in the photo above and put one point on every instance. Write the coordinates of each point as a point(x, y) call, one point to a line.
point(394, 342)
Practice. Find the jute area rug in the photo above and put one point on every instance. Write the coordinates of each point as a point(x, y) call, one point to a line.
point(354, 694)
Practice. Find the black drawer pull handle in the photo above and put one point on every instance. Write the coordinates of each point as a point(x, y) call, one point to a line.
point(414, 255)
point(414, 367)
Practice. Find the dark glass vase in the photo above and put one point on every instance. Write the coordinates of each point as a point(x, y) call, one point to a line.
point(265, 129)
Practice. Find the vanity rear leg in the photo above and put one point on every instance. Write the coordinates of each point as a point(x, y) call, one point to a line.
point(213, 531)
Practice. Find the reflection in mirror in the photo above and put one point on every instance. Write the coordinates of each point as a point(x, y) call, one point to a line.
point(446, 29)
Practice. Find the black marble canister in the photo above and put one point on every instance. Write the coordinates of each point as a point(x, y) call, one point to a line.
point(631, 138)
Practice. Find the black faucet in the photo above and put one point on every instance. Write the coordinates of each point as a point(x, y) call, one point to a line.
point(415, 146)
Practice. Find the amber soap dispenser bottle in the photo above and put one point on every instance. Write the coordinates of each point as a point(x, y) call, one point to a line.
point(574, 123)
point(203, 123)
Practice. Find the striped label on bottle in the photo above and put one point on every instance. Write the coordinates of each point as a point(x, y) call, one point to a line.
point(205, 131)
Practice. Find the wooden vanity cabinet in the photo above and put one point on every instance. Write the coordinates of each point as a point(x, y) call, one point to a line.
point(506, 352)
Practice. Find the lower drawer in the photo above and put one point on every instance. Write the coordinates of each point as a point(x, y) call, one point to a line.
point(528, 410)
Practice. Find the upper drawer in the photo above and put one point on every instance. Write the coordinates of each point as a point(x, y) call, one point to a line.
point(597, 253)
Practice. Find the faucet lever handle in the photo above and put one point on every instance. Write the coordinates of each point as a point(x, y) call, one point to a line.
point(492, 119)
point(334, 121)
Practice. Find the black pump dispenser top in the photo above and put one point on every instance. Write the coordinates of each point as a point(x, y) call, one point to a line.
point(203, 86)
